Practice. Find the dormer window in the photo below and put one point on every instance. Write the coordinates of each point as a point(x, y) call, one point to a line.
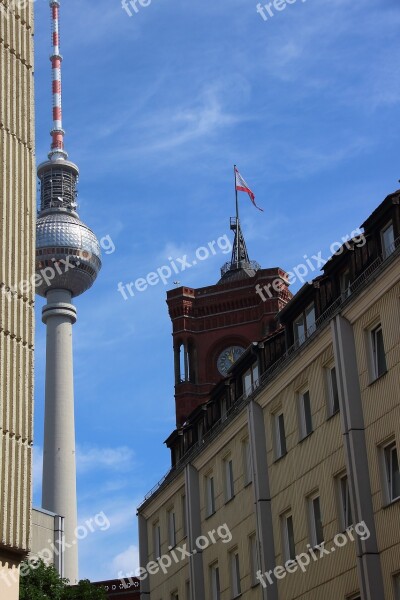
point(345, 283)
point(304, 325)
point(250, 379)
point(387, 239)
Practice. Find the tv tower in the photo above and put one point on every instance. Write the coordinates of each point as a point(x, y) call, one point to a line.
point(67, 264)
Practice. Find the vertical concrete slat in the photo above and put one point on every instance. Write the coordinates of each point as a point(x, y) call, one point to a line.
point(262, 494)
point(353, 429)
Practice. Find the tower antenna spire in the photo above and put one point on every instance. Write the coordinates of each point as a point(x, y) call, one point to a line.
point(57, 151)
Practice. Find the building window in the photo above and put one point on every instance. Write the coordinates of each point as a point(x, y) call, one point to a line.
point(345, 504)
point(254, 559)
point(247, 464)
point(306, 426)
point(250, 379)
point(235, 574)
point(289, 548)
point(187, 590)
point(345, 284)
point(392, 472)
point(174, 595)
point(378, 352)
point(171, 528)
point(214, 581)
point(184, 518)
point(210, 496)
point(280, 436)
point(304, 325)
point(229, 487)
point(156, 540)
point(333, 392)
point(316, 529)
point(387, 238)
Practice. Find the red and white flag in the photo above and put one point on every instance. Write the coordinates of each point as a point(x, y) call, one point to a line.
point(242, 186)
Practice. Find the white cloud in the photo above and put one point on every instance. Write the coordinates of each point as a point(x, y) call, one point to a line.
point(126, 562)
point(94, 458)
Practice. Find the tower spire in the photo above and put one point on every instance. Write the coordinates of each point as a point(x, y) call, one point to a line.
point(240, 265)
point(57, 151)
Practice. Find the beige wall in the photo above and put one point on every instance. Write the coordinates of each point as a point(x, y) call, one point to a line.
point(17, 245)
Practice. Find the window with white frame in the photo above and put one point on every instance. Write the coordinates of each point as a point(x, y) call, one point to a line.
point(210, 495)
point(304, 325)
point(229, 485)
point(280, 435)
point(289, 548)
point(214, 582)
point(184, 517)
point(235, 574)
point(333, 391)
point(305, 417)
point(345, 504)
point(387, 237)
point(171, 528)
point(392, 473)
point(156, 540)
point(247, 465)
point(254, 559)
point(378, 357)
point(250, 379)
point(316, 529)
point(396, 583)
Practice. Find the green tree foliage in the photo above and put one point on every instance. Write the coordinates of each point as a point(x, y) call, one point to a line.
point(42, 582)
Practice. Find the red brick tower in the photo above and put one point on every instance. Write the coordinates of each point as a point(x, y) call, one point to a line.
point(213, 325)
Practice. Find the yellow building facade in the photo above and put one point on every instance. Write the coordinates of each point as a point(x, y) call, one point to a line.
point(293, 491)
point(17, 252)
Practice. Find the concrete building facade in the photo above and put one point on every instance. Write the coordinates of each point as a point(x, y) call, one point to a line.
point(290, 487)
point(17, 260)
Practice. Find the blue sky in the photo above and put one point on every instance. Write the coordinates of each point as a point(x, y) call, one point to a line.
point(157, 109)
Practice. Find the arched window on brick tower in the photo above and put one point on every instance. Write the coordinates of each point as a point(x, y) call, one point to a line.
point(185, 362)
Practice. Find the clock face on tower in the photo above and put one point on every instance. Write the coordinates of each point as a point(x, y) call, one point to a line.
point(228, 357)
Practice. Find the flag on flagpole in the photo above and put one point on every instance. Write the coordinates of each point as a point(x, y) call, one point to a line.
point(241, 186)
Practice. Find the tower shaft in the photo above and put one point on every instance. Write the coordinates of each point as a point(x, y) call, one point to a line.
point(59, 464)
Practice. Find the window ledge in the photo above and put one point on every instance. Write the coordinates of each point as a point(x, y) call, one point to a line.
point(333, 414)
point(280, 457)
point(391, 502)
point(210, 515)
point(227, 502)
point(378, 378)
point(304, 438)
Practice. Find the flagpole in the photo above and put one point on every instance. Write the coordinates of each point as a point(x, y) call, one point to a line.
point(237, 220)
